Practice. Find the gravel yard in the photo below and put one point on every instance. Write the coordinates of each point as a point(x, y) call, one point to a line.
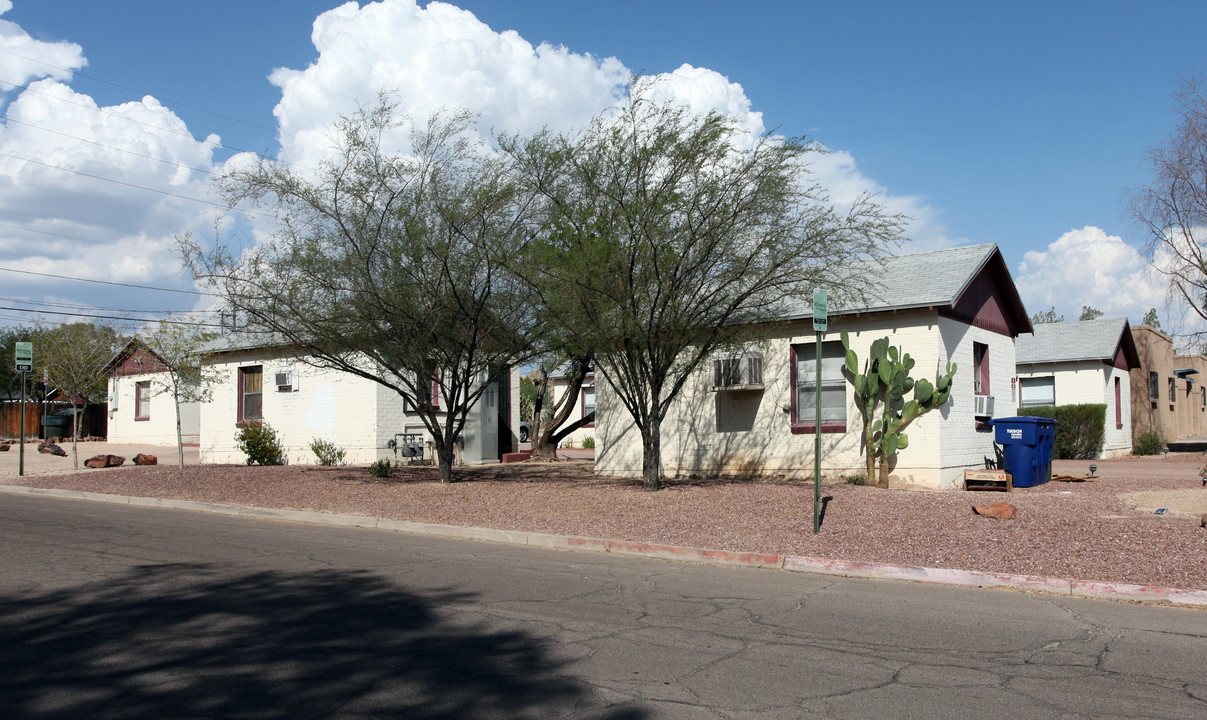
point(1106, 530)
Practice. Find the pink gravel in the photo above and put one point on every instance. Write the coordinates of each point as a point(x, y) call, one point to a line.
point(1070, 530)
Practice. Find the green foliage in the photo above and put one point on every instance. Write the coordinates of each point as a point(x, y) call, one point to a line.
point(1089, 313)
point(1080, 429)
point(1149, 443)
point(1043, 318)
point(327, 453)
point(259, 442)
point(381, 469)
point(588, 443)
point(880, 392)
point(856, 479)
point(1151, 319)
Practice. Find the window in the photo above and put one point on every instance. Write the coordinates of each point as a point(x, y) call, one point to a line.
point(1037, 391)
point(1118, 405)
point(251, 393)
point(980, 368)
point(833, 388)
point(1203, 392)
point(588, 403)
point(142, 400)
point(1173, 391)
point(1154, 386)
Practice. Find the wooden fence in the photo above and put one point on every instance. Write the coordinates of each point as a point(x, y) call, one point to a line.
point(94, 421)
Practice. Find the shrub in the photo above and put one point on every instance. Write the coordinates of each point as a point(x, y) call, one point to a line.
point(1080, 429)
point(588, 443)
point(327, 453)
point(1149, 443)
point(259, 442)
point(381, 468)
point(856, 479)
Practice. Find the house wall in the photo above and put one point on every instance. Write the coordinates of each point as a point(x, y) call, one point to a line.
point(1185, 415)
point(749, 431)
point(160, 426)
point(327, 404)
point(560, 387)
point(1092, 381)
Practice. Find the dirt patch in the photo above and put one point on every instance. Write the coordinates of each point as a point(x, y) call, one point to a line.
point(1188, 504)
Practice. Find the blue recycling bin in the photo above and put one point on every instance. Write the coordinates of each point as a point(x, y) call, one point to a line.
point(1026, 448)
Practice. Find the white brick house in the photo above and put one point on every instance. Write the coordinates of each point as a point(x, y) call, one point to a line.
point(958, 305)
point(139, 411)
point(1082, 362)
point(302, 403)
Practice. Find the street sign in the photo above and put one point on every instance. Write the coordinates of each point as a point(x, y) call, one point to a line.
point(25, 357)
point(820, 318)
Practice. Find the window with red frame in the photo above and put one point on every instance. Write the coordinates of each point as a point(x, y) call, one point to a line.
point(142, 400)
point(251, 393)
point(980, 368)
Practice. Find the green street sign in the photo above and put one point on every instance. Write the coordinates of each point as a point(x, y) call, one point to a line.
point(25, 357)
point(820, 318)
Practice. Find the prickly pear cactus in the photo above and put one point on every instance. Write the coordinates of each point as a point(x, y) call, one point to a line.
point(880, 391)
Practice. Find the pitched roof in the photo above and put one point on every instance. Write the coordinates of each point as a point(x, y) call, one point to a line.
point(1097, 339)
point(935, 278)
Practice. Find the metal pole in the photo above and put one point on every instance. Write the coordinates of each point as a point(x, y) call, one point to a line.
point(817, 443)
point(21, 432)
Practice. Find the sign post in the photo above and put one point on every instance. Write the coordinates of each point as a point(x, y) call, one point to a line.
point(25, 363)
point(820, 324)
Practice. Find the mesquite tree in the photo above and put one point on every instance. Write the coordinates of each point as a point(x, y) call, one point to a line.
point(386, 264)
point(665, 234)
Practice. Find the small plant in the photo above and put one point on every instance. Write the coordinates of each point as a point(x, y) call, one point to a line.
point(381, 469)
point(1149, 443)
point(259, 442)
point(326, 452)
point(588, 443)
point(856, 479)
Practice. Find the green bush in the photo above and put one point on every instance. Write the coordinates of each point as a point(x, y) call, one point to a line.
point(1080, 429)
point(381, 469)
point(1149, 443)
point(588, 443)
point(327, 453)
point(259, 442)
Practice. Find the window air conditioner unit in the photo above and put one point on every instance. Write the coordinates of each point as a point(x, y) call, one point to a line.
point(983, 406)
point(285, 382)
point(744, 372)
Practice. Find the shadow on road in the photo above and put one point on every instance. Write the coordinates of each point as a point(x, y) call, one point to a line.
point(184, 641)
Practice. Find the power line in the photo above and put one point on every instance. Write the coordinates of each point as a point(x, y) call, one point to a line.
point(72, 237)
point(110, 317)
point(140, 92)
point(107, 282)
point(79, 306)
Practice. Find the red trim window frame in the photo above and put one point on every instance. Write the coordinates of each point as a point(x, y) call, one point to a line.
point(799, 427)
point(582, 403)
point(980, 368)
point(242, 392)
point(142, 392)
point(1118, 405)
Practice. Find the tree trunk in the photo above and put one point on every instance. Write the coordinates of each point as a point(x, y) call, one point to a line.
point(179, 434)
point(547, 436)
point(651, 455)
point(444, 457)
point(75, 433)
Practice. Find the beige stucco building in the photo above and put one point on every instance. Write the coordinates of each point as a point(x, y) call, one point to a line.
point(1169, 390)
point(141, 408)
point(958, 305)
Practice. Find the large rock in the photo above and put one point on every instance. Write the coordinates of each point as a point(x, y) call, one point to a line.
point(104, 461)
point(3, 446)
point(1000, 510)
point(50, 448)
point(141, 459)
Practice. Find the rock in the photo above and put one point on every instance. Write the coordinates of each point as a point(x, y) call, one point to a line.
point(1000, 510)
point(3, 447)
point(49, 448)
point(141, 459)
point(104, 461)
point(1203, 522)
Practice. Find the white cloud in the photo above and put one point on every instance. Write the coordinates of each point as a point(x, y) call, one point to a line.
point(25, 58)
point(1089, 267)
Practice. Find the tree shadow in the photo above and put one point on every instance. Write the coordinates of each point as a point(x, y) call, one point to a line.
point(186, 641)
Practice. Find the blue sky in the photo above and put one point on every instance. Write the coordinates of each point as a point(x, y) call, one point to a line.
point(1023, 124)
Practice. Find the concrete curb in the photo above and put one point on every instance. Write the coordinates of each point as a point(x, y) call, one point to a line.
point(790, 563)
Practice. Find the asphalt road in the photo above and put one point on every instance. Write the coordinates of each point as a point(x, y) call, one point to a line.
point(122, 612)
